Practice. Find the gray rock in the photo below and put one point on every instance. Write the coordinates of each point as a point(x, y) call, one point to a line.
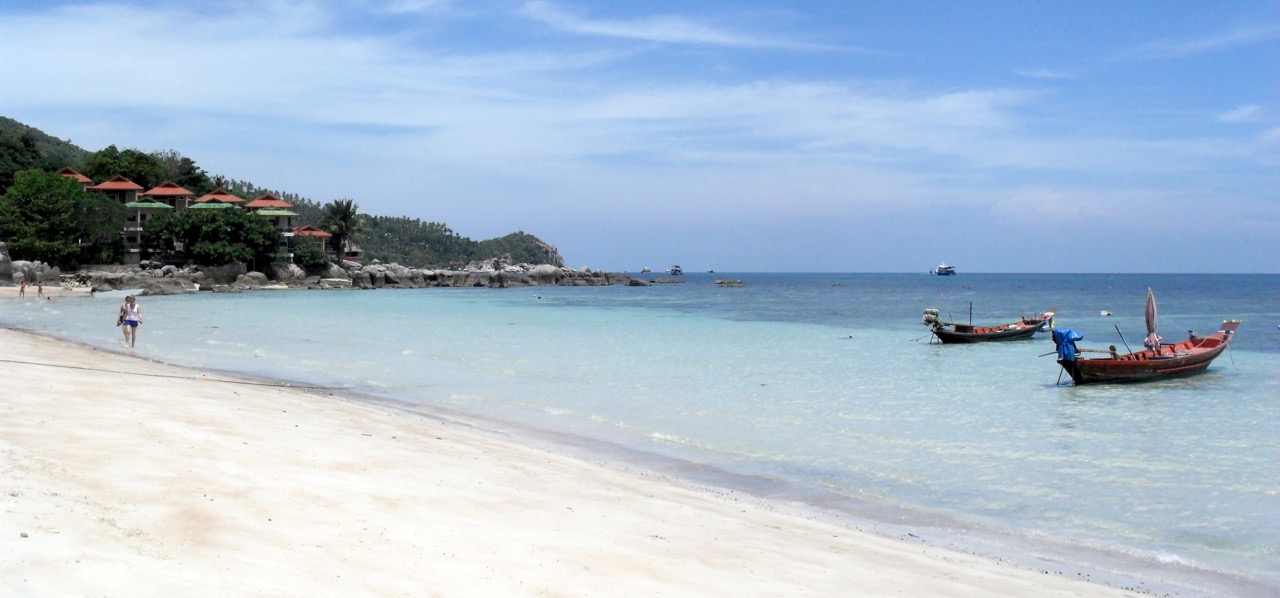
point(224, 274)
point(252, 279)
point(546, 274)
point(362, 280)
point(288, 273)
point(335, 283)
point(168, 286)
point(336, 271)
point(6, 265)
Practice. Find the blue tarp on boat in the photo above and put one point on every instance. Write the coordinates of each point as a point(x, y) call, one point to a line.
point(1065, 339)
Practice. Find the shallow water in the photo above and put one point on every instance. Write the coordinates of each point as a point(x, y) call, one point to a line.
point(824, 384)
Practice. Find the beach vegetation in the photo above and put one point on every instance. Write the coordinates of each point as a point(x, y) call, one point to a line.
point(40, 150)
point(309, 255)
point(342, 219)
point(17, 153)
point(184, 172)
point(211, 238)
point(138, 166)
point(46, 216)
point(433, 244)
point(400, 239)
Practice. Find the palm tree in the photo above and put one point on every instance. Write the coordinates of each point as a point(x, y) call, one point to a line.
point(341, 218)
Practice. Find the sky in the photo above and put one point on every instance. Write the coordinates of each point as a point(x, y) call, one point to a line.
point(740, 136)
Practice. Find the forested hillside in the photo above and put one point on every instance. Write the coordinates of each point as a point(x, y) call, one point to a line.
point(408, 241)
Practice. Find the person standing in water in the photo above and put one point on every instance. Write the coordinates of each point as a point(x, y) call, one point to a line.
point(131, 317)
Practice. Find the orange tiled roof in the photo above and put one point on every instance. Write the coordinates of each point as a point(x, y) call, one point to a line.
point(168, 189)
point(268, 201)
point(220, 195)
point(310, 231)
point(117, 183)
point(70, 172)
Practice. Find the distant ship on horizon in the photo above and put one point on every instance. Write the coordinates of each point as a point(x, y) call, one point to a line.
point(945, 269)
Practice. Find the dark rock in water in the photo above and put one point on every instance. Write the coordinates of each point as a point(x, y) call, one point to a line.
point(664, 280)
point(721, 282)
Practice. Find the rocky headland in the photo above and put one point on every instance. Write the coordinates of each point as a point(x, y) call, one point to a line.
point(155, 278)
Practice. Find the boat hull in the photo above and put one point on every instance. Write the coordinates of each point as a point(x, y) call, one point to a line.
point(1186, 358)
point(952, 333)
point(949, 336)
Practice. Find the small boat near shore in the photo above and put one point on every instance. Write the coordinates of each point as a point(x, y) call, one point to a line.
point(954, 333)
point(1185, 358)
point(1157, 361)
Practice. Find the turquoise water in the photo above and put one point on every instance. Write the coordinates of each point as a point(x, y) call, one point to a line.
point(821, 388)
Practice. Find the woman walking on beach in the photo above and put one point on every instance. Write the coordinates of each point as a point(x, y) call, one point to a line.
point(130, 317)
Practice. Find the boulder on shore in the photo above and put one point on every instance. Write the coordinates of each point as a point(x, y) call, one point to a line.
point(168, 286)
point(6, 265)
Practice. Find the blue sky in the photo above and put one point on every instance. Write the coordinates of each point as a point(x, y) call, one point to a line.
point(736, 135)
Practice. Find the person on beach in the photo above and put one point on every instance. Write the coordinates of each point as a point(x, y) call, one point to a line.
point(130, 317)
point(39, 289)
point(22, 290)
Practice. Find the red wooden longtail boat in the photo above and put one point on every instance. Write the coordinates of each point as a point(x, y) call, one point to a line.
point(951, 332)
point(1158, 360)
point(1191, 356)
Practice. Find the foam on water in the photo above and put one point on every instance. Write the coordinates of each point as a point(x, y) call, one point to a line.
point(827, 388)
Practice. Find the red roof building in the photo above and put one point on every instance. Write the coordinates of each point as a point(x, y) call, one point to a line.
point(71, 173)
point(220, 195)
point(268, 201)
point(119, 189)
point(311, 231)
point(170, 193)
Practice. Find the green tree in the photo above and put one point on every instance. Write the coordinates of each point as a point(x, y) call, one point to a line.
point(48, 217)
point(341, 218)
point(309, 254)
point(184, 172)
point(17, 153)
point(213, 237)
point(139, 167)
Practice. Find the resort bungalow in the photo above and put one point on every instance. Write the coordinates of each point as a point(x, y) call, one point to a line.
point(220, 195)
point(126, 191)
point(171, 194)
point(311, 231)
point(277, 210)
point(73, 174)
point(118, 188)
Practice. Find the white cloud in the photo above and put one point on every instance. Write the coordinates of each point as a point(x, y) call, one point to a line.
point(1043, 74)
point(491, 137)
point(1242, 114)
point(419, 6)
point(668, 29)
point(1177, 48)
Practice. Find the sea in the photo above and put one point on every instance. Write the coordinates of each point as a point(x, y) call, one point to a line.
point(821, 392)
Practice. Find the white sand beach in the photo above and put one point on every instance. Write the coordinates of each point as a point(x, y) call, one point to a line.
point(124, 477)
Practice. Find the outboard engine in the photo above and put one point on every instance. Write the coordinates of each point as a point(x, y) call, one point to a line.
point(931, 317)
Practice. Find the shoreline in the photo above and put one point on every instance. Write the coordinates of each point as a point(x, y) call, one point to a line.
point(126, 483)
